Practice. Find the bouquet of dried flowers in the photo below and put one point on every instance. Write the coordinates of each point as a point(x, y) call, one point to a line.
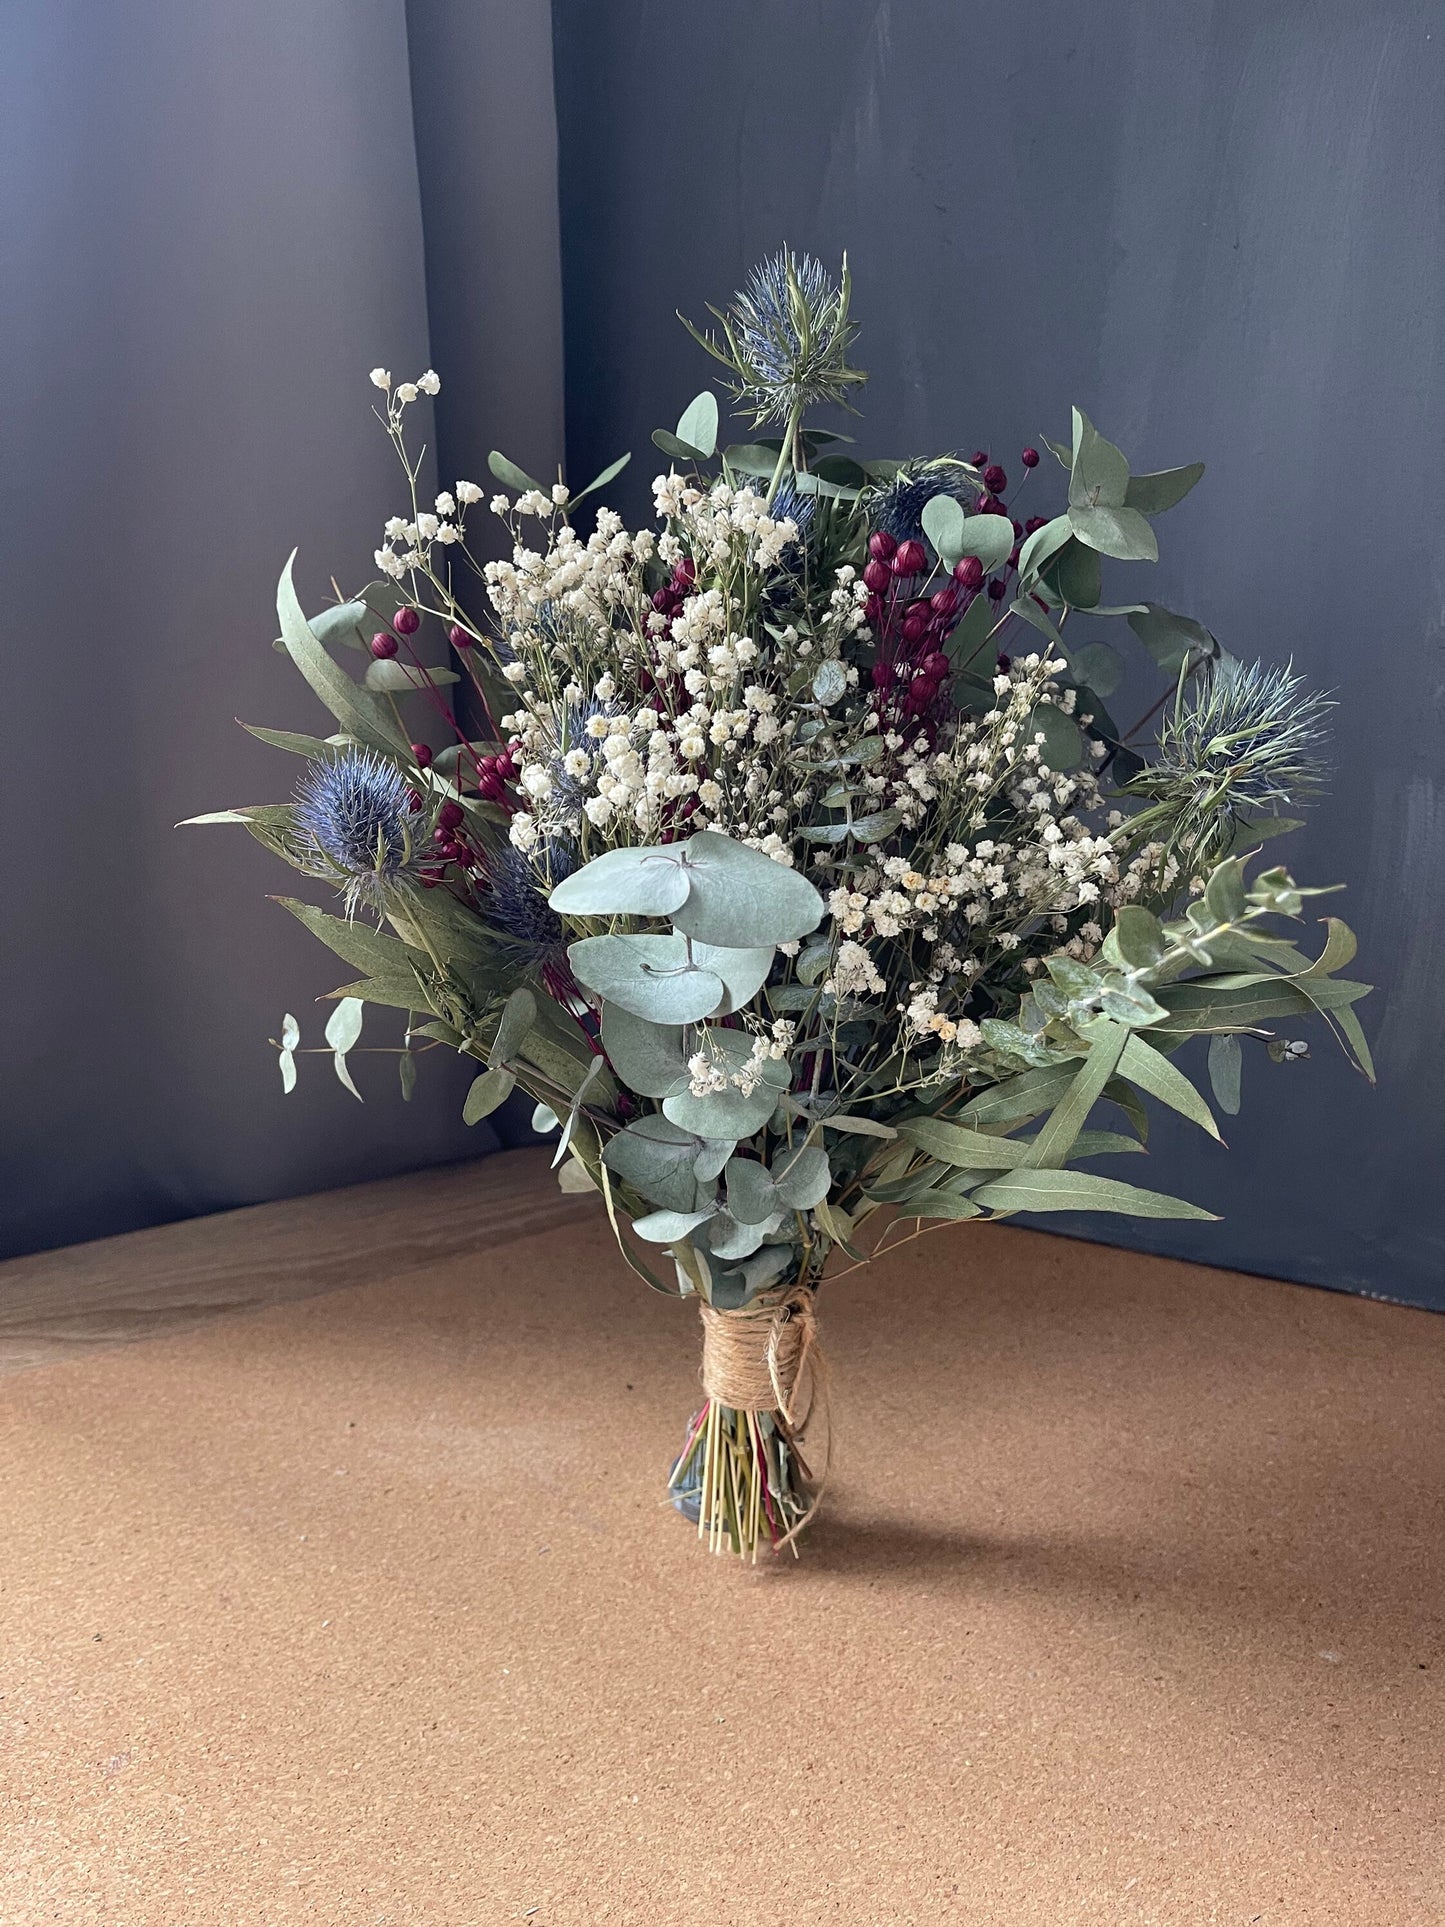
point(787, 855)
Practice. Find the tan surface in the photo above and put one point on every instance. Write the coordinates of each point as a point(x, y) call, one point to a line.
point(361, 1610)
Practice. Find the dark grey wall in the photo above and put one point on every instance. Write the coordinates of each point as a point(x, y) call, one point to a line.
point(1221, 229)
point(212, 230)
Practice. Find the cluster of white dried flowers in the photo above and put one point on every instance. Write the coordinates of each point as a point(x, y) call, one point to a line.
point(632, 716)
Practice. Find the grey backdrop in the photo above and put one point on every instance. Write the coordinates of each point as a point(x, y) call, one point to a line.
point(213, 228)
point(1218, 227)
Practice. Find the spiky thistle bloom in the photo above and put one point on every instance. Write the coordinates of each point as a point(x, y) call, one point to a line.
point(354, 816)
point(1243, 740)
point(897, 505)
point(786, 337)
point(516, 908)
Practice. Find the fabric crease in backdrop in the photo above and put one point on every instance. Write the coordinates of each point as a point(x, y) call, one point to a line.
point(1221, 228)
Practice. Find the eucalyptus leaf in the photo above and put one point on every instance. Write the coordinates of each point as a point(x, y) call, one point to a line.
point(1076, 576)
point(1042, 545)
point(667, 1227)
point(1063, 744)
point(1099, 474)
point(509, 475)
point(698, 427)
point(657, 1159)
point(1225, 1064)
point(802, 1178)
point(739, 898)
point(1118, 532)
point(358, 711)
point(728, 1238)
point(650, 976)
point(1148, 1068)
point(943, 523)
point(288, 1072)
point(648, 1057)
point(1046, 1190)
point(609, 474)
point(519, 1014)
point(397, 678)
point(648, 881)
point(1172, 640)
point(989, 537)
point(752, 1195)
point(488, 1090)
point(1152, 494)
point(545, 1120)
point(343, 1026)
point(830, 681)
point(681, 451)
point(1099, 666)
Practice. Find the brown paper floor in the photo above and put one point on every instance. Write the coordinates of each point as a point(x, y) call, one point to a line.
point(1126, 1607)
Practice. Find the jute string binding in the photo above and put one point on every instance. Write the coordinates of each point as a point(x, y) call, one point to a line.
point(755, 1360)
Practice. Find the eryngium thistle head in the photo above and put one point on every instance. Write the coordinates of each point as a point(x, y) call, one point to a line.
point(786, 337)
point(897, 505)
point(1244, 740)
point(354, 815)
point(516, 907)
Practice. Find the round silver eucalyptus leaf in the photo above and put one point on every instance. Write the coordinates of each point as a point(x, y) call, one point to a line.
point(646, 882)
point(648, 1057)
point(740, 899)
point(652, 977)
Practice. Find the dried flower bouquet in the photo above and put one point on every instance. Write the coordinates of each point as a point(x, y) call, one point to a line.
point(787, 855)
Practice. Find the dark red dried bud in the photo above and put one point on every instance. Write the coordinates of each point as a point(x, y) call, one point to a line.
point(421, 755)
point(1005, 663)
point(406, 622)
point(944, 601)
point(877, 575)
point(911, 559)
point(1013, 556)
point(882, 546)
point(458, 637)
point(685, 574)
point(1030, 458)
point(979, 457)
point(968, 573)
point(920, 695)
point(383, 645)
point(936, 666)
point(996, 590)
point(882, 674)
point(995, 478)
point(663, 601)
point(914, 628)
point(413, 800)
point(449, 817)
point(1034, 523)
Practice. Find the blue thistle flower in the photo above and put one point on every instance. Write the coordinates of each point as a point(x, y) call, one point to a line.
point(516, 905)
point(786, 337)
point(354, 815)
point(897, 505)
point(789, 504)
point(1244, 739)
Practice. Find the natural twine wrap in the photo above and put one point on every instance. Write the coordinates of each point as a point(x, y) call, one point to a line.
point(756, 1359)
point(752, 1359)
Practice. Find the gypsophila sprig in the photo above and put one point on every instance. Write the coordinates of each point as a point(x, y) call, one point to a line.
point(783, 852)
